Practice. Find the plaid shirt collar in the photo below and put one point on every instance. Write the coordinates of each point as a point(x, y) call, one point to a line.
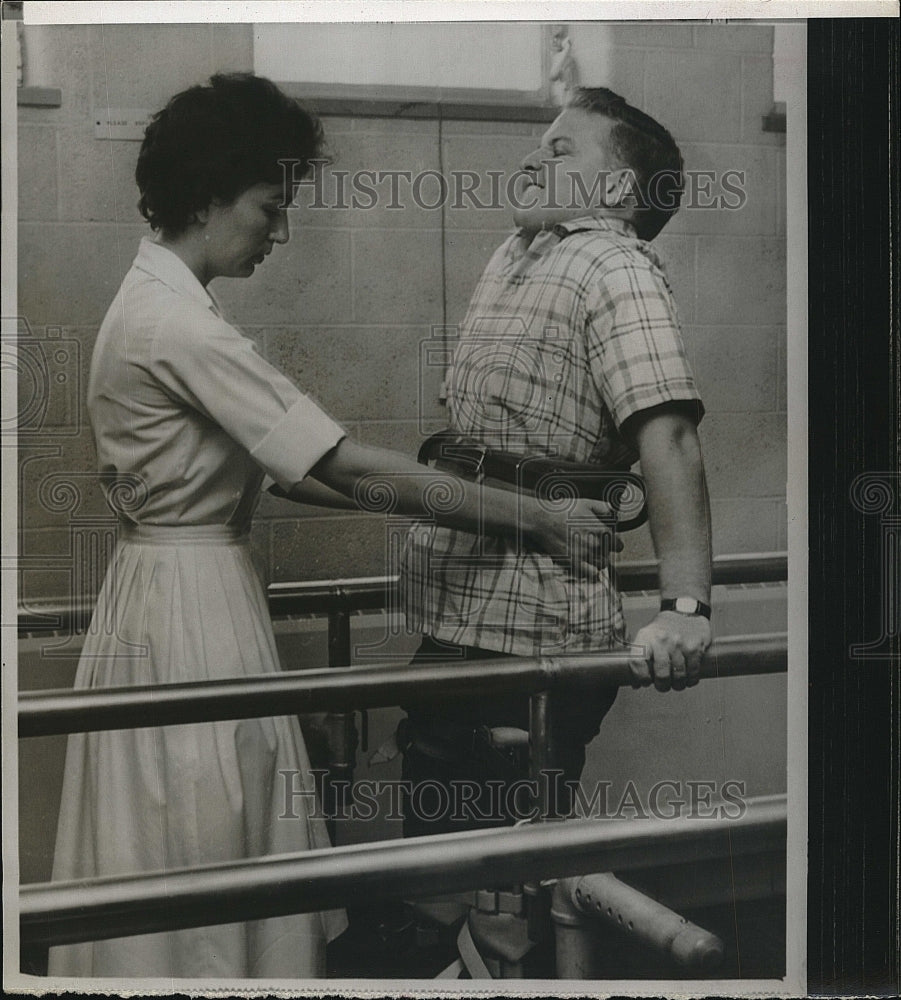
point(523, 250)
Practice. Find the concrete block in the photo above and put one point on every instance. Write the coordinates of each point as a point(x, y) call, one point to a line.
point(45, 570)
point(58, 482)
point(746, 525)
point(32, 548)
point(97, 178)
point(38, 198)
point(696, 95)
point(729, 189)
point(72, 67)
point(331, 124)
point(357, 187)
point(478, 129)
point(744, 454)
point(466, 254)
point(785, 528)
point(69, 273)
point(741, 281)
point(678, 253)
point(273, 508)
point(307, 281)
point(358, 373)
point(394, 126)
point(637, 545)
point(659, 34)
point(231, 48)
point(86, 337)
point(467, 163)
point(757, 100)
point(51, 382)
point(734, 37)
point(397, 276)
point(736, 368)
point(143, 65)
point(400, 435)
point(623, 71)
point(330, 548)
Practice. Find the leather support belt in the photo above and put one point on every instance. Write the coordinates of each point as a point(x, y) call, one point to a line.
point(539, 475)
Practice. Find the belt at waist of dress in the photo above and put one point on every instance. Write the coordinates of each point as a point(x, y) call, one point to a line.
point(184, 534)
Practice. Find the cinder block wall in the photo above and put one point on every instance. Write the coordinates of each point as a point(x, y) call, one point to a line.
point(344, 307)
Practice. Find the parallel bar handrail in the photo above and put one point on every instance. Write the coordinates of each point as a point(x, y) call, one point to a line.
point(112, 907)
point(372, 593)
point(44, 713)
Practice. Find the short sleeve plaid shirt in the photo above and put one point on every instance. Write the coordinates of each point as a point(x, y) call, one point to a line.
point(564, 339)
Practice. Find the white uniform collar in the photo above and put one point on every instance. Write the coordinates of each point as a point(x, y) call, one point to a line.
point(168, 267)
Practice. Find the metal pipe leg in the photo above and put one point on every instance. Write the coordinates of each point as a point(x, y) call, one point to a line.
point(581, 904)
point(340, 728)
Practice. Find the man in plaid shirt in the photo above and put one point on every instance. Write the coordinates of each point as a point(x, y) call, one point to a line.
point(571, 348)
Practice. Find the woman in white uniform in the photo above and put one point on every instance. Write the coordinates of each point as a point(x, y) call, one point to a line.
point(188, 419)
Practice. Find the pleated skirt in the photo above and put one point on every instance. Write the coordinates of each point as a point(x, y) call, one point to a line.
point(185, 604)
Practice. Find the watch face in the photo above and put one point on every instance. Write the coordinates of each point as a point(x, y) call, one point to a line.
point(686, 605)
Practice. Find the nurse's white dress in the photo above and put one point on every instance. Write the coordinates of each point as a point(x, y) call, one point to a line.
point(187, 418)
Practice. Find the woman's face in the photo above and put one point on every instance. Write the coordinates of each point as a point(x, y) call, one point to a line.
point(238, 236)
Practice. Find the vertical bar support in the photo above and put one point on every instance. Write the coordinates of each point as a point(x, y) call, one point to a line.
point(342, 733)
point(541, 766)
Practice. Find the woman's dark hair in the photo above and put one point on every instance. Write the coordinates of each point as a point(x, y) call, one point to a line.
point(645, 146)
point(215, 141)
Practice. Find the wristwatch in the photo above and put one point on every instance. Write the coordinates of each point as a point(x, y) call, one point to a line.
point(685, 606)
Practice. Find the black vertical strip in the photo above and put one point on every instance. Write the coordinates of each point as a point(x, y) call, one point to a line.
point(853, 86)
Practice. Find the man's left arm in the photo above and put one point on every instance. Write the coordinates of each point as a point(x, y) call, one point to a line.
point(679, 515)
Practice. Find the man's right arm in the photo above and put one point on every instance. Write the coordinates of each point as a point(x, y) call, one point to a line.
point(679, 515)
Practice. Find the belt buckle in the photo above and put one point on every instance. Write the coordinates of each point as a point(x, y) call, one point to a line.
point(468, 455)
point(480, 464)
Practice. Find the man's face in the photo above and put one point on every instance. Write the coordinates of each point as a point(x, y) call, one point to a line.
point(573, 172)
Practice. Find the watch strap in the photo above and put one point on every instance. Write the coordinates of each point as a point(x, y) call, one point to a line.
point(685, 606)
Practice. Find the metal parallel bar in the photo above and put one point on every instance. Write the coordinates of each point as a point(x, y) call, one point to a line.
point(95, 909)
point(298, 691)
point(371, 593)
point(342, 743)
point(541, 764)
point(726, 571)
point(541, 750)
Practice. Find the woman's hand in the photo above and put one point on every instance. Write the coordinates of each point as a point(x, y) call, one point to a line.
point(583, 535)
point(579, 532)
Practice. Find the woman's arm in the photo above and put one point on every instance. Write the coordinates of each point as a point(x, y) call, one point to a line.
point(313, 492)
point(378, 479)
